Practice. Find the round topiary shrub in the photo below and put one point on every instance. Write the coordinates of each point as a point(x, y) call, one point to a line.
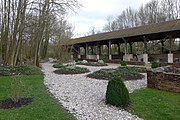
point(117, 93)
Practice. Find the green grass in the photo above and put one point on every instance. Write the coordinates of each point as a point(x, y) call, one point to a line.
point(43, 106)
point(152, 104)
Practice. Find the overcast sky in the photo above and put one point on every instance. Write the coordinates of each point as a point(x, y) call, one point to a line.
point(95, 12)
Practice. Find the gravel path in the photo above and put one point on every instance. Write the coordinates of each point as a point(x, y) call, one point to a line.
point(85, 97)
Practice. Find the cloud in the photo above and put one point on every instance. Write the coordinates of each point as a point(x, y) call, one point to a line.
point(95, 12)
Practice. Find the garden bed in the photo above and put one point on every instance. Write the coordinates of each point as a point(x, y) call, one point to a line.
point(127, 73)
point(19, 70)
point(64, 69)
point(84, 62)
point(92, 64)
point(10, 103)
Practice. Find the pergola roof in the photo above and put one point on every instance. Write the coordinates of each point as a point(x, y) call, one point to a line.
point(155, 31)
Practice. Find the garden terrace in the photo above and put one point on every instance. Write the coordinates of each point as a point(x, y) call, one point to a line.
point(90, 47)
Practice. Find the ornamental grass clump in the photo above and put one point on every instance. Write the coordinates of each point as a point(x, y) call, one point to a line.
point(17, 89)
point(117, 93)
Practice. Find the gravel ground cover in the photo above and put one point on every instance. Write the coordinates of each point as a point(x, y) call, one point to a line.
point(85, 97)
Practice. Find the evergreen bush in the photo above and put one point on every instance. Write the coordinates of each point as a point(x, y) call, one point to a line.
point(117, 93)
point(101, 62)
point(155, 64)
point(123, 63)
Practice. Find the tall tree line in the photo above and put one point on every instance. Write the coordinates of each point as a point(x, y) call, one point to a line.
point(27, 26)
point(153, 12)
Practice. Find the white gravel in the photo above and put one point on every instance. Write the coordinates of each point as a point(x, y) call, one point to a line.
point(85, 97)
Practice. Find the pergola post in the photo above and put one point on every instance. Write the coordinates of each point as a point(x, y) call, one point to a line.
point(109, 51)
point(119, 48)
point(99, 48)
point(162, 46)
point(79, 52)
point(72, 52)
point(145, 55)
point(130, 44)
point(86, 51)
point(170, 55)
point(125, 50)
point(98, 51)
point(92, 50)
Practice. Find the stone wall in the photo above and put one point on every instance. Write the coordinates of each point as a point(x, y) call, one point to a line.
point(163, 81)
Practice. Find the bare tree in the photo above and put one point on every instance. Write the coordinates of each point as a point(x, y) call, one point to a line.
point(25, 27)
point(111, 24)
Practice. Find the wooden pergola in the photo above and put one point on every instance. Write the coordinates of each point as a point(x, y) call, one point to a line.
point(160, 31)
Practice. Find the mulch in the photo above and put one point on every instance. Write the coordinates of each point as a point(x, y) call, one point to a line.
point(9, 103)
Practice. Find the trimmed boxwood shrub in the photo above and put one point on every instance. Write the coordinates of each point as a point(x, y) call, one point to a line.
point(155, 64)
point(117, 93)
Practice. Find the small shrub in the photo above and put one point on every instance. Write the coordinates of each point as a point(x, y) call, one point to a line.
point(155, 64)
point(79, 62)
point(100, 61)
point(18, 89)
point(58, 66)
point(123, 63)
point(117, 93)
point(84, 61)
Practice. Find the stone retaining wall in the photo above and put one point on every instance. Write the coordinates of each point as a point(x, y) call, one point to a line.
point(163, 81)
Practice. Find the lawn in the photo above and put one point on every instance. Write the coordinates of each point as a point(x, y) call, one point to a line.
point(152, 104)
point(43, 106)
